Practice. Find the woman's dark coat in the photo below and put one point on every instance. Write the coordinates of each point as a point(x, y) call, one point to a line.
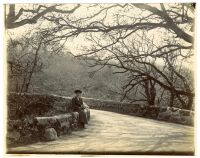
point(77, 106)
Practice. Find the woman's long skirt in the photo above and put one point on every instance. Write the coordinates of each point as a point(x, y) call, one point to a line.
point(82, 116)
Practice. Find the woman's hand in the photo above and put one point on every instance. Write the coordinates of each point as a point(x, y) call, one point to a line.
point(82, 107)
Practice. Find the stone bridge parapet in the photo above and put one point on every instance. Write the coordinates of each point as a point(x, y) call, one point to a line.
point(32, 117)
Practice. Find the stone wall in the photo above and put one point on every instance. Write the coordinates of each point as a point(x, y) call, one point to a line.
point(169, 114)
point(22, 105)
point(33, 118)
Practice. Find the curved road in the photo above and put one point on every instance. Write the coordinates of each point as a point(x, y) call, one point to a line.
point(113, 133)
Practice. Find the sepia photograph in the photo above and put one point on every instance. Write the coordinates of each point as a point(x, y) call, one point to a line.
point(100, 78)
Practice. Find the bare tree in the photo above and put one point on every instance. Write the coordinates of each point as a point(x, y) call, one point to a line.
point(119, 37)
point(24, 16)
point(25, 58)
point(167, 16)
point(138, 57)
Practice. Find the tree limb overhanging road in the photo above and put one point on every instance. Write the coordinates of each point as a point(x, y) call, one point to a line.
point(109, 132)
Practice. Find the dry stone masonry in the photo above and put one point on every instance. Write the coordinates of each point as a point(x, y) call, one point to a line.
point(170, 114)
point(36, 117)
point(33, 118)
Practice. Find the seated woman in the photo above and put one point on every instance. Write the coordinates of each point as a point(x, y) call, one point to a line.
point(77, 106)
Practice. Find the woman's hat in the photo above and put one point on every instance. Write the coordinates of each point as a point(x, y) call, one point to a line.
point(77, 91)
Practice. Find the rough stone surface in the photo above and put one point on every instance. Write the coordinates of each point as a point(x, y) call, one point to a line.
point(31, 114)
point(75, 120)
point(170, 114)
point(23, 108)
point(45, 121)
point(14, 135)
point(50, 134)
point(111, 133)
point(21, 105)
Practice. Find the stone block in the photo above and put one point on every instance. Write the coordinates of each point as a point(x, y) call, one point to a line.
point(50, 134)
point(165, 115)
point(13, 124)
point(188, 119)
point(45, 121)
point(175, 116)
point(75, 115)
point(75, 120)
point(13, 135)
